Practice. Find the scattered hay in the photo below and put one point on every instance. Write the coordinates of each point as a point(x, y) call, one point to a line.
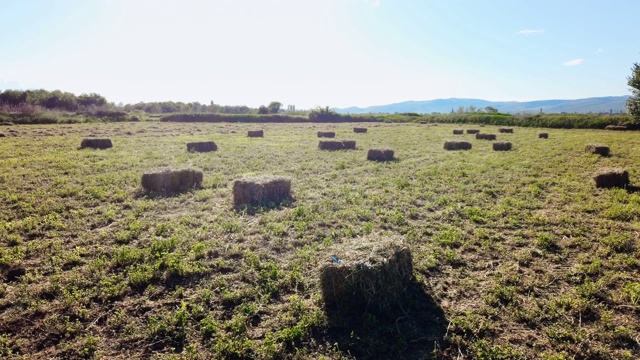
point(380, 155)
point(599, 149)
point(96, 143)
point(506, 130)
point(326, 134)
point(611, 177)
point(485, 136)
point(457, 145)
point(337, 145)
point(261, 189)
point(359, 130)
point(458, 132)
point(473, 131)
point(172, 181)
point(543, 135)
point(256, 133)
point(616, 127)
point(202, 146)
point(501, 146)
point(371, 273)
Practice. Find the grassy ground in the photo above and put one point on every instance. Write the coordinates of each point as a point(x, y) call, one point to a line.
point(516, 254)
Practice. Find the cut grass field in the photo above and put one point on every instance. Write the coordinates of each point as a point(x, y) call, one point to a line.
point(515, 253)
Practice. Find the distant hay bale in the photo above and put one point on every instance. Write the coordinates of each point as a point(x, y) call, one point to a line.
point(349, 144)
point(424, 122)
point(359, 130)
point(473, 131)
point(611, 177)
point(481, 136)
point(599, 149)
point(2, 135)
point(256, 133)
point(543, 135)
point(326, 134)
point(458, 132)
point(202, 146)
point(261, 189)
point(501, 146)
point(506, 130)
point(337, 144)
point(370, 274)
point(380, 155)
point(96, 143)
point(172, 180)
point(457, 145)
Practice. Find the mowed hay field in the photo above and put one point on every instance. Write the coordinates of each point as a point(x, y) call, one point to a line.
point(515, 253)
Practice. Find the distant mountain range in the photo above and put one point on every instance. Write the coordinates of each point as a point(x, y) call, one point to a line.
point(615, 104)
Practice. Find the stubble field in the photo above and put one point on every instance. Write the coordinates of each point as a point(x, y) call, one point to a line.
point(515, 254)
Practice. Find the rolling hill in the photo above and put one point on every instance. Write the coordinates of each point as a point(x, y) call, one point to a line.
point(589, 105)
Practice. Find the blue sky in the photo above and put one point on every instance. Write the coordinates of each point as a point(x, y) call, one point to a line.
point(310, 53)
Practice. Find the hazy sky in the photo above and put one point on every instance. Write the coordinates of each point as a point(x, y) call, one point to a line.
point(316, 53)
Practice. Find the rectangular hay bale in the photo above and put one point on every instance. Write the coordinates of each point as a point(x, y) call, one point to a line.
point(359, 130)
point(506, 130)
point(256, 133)
point(371, 274)
point(599, 149)
point(202, 146)
point(172, 180)
point(326, 134)
point(458, 132)
point(501, 146)
point(261, 189)
point(380, 155)
point(611, 177)
point(457, 145)
point(96, 143)
point(485, 136)
point(473, 131)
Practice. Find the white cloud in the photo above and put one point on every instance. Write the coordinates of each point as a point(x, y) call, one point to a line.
point(376, 3)
point(529, 32)
point(599, 51)
point(573, 62)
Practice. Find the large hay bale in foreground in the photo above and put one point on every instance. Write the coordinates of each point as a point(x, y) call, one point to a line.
point(337, 145)
point(326, 134)
point(380, 154)
point(172, 180)
point(485, 136)
point(458, 132)
point(369, 274)
point(96, 143)
point(359, 130)
point(457, 145)
point(256, 133)
point(473, 131)
point(501, 146)
point(202, 146)
point(543, 135)
point(256, 190)
point(611, 177)
point(506, 130)
point(599, 149)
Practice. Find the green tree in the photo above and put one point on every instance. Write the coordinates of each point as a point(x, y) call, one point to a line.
point(491, 109)
point(262, 110)
point(633, 103)
point(274, 107)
